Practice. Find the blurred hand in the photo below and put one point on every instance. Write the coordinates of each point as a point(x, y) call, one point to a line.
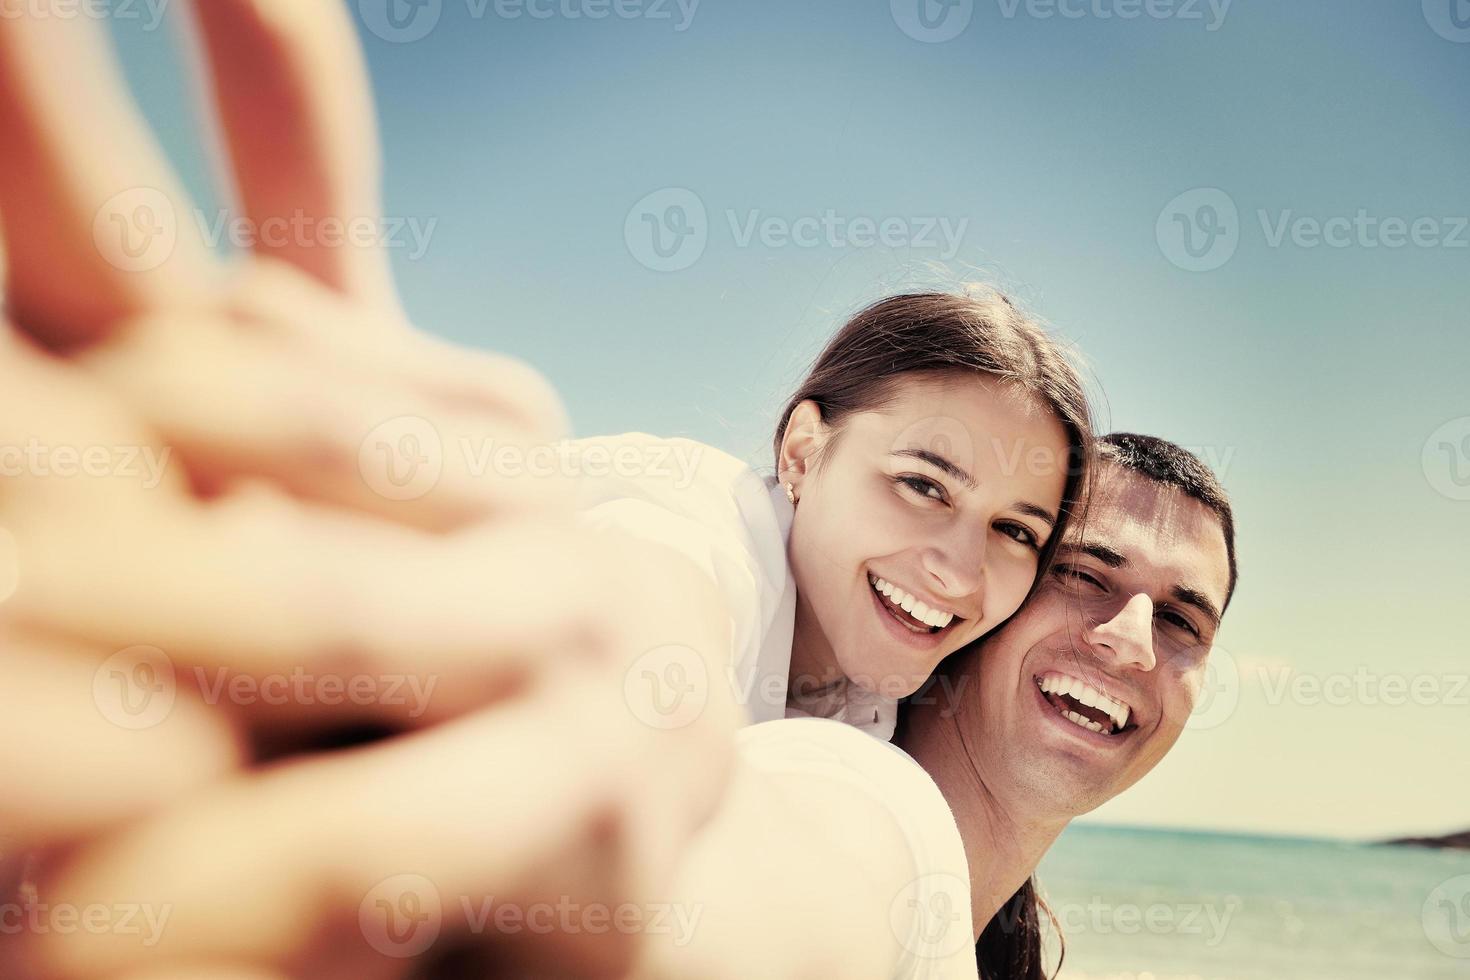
point(208, 504)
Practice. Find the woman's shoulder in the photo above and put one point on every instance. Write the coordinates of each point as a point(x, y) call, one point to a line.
point(674, 469)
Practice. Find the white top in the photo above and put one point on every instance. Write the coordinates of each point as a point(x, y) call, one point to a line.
point(734, 524)
point(931, 917)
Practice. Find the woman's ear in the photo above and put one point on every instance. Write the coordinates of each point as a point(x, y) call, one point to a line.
point(804, 437)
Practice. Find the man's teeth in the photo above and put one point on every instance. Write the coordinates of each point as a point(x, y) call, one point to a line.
point(1086, 694)
point(909, 604)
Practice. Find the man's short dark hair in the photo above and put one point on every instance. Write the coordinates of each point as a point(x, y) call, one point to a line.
point(1174, 466)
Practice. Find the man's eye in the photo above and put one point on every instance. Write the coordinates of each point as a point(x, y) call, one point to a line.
point(1021, 533)
point(1179, 621)
point(1076, 575)
point(923, 486)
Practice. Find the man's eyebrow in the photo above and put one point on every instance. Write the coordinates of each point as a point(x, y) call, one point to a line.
point(1200, 601)
point(1108, 556)
point(940, 463)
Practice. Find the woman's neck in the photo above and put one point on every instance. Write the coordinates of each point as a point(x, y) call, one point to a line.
point(1002, 845)
point(814, 673)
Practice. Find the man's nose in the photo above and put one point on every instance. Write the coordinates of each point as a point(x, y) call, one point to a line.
point(1126, 638)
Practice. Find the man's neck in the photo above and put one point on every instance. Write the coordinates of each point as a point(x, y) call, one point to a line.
point(1002, 844)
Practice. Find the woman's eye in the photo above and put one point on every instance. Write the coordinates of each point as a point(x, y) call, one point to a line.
point(923, 486)
point(1021, 533)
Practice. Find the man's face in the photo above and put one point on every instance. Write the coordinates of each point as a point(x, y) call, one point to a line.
point(1129, 612)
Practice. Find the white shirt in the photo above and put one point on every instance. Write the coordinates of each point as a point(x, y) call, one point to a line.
point(931, 917)
point(734, 524)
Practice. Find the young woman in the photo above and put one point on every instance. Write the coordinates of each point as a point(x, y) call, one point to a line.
point(926, 467)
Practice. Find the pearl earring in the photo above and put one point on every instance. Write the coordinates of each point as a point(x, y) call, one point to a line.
point(791, 493)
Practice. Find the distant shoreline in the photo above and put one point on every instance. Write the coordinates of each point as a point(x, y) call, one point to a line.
point(1457, 841)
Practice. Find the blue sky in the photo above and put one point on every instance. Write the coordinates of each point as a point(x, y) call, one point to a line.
point(1067, 149)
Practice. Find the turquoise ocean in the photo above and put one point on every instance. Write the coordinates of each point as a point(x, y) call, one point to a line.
point(1181, 905)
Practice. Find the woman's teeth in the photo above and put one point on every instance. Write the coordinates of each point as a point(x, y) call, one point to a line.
point(1065, 689)
point(933, 618)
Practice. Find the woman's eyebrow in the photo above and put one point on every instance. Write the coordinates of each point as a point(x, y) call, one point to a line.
point(940, 463)
point(1036, 511)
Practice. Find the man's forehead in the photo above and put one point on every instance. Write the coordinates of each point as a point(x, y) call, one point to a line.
point(1156, 528)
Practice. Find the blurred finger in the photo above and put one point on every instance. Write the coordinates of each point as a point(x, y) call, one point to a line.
point(439, 820)
point(260, 586)
point(77, 757)
point(295, 102)
point(95, 224)
point(255, 403)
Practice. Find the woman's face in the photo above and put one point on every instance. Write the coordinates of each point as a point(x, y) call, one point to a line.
point(920, 527)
